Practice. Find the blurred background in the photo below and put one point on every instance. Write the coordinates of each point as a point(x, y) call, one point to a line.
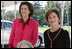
point(10, 11)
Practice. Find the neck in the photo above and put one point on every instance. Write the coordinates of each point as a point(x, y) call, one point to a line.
point(54, 28)
point(25, 18)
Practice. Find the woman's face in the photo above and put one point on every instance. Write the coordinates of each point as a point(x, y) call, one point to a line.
point(24, 10)
point(53, 19)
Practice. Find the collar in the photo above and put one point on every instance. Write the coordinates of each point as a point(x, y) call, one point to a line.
point(25, 22)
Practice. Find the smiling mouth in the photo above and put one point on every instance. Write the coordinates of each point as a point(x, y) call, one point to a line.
point(23, 12)
point(53, 22)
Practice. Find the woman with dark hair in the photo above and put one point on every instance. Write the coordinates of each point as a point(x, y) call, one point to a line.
point(24, 28)
point(55, 37)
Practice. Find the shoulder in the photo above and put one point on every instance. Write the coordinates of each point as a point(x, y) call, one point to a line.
point(45, 32)
point(17, 20)
point(33, 21)
point(64, 32)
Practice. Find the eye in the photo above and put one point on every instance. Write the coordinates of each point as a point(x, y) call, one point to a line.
point(21, 8)
point(49, 17)
point(25, 8)
point(54, 16)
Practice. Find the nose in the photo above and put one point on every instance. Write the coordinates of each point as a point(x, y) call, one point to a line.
point(23, 10)
point(52, 19)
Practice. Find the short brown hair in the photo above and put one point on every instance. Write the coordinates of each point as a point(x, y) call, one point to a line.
point(52, 10)
point(30, 7)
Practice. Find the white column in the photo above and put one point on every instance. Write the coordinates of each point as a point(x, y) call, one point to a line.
point(62, 12)
point(2, 25)
point(15, 3)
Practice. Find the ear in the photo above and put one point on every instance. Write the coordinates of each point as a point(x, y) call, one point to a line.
point(29, 12)
point(59, 20)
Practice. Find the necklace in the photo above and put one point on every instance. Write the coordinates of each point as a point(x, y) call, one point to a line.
point(51, 40)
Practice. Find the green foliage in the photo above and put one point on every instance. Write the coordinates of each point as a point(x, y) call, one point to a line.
point(67, 12)
point(67, 9)
point(9, 16)
point(39, 12)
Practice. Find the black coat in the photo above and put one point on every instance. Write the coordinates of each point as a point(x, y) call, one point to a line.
point(61, 41)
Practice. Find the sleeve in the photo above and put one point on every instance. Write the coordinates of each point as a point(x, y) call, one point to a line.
point(67, 39)
point(35, 34)
point(45, 39)
point(11, 38)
